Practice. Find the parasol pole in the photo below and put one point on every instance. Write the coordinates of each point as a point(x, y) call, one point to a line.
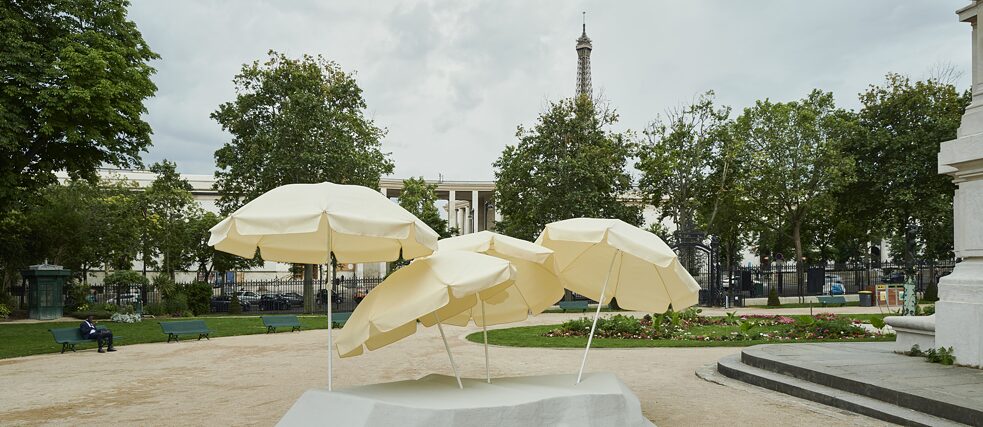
point(448, 348)
point(597, 314)
point(484, 331)
point(330, 303)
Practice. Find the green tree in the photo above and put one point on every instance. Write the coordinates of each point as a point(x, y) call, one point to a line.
point(169, 207)
point(898, 161)
point(295, 121)
point(795, 158)
point(568, 165)
point(75, 76)
point(420, 198)
point(689, 163)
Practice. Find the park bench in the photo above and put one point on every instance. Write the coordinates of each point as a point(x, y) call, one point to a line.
point(273, 322)
point(185, 327)
point(831, 299)
point(573, 305)
point(69, 337)
point(340, 318)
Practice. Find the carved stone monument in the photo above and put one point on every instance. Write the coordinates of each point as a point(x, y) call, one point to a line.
point(959, 312)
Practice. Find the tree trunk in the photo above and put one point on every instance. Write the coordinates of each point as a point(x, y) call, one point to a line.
point(309, 289)
point(797, 236)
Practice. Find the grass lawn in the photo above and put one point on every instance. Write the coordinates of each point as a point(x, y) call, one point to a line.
point(24, 339)
point(532, 336)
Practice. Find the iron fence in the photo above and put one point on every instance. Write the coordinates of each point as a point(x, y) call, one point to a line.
point(757, 281)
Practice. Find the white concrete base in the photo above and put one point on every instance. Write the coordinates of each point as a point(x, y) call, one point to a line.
point(912, 330)
point(959, 312)
point(601, 399)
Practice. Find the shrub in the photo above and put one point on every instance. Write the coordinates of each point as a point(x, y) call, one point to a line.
point(109, 307)
point(75, 293)
point(4, 311)
point(96, 314)
point(928, 310)
point(931, 292)
point(163, 284)
point(877, 322)
point(154, 309)
point(176, 305)
point(234, 307)
point(940, 355)
point(126, 318)
point(199, 297)
point(773, 300)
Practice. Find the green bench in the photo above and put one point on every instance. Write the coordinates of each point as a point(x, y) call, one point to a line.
point(185, 327)
point(831, 299)
point(69, 337)
point(340, 318)
point(273, 322)
point(574, 305)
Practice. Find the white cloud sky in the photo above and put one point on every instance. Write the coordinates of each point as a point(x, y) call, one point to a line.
point(452, 80)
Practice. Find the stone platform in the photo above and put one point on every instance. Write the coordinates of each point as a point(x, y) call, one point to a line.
point(601, 399)
point(867, 378)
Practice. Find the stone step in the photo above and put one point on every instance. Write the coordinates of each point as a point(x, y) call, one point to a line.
point(733, 367)
point(883, 391)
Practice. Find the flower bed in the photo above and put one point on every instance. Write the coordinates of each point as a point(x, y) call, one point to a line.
point(689, 325)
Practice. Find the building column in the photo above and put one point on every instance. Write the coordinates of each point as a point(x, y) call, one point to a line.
point(452, 209)
point(475, 211)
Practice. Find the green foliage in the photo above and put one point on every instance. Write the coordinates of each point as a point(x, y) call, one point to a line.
point(176, 305)
point(234, 307)
point(4, 311)
point(689, 164)
point(125, 279)
point(916, 350)
point(941, 355)
point(877, 322)
point(76, 74)
point(419, 198)
point(904, 123)
point(931, 292)
point(165, 285)
point(75, 294)
point(295, 121)
point(773, 299)
point(732, 318)
point(927, 310)
point(96, 314)
point(169, 208)
point(199, 295)
point(154, 309)
point(745, 328)
point(796, 161)
point(568, 165)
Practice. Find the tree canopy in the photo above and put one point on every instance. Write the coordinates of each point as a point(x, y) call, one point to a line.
point(295, 121)
point(569, 164)
point(75, 76)
point(420, 198)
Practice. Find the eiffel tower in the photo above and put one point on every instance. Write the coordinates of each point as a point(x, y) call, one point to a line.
point(583, 62)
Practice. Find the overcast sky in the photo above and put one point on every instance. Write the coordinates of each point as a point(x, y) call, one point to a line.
point(452, 80)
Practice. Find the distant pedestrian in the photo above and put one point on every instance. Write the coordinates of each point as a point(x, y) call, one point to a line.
point(89, 331)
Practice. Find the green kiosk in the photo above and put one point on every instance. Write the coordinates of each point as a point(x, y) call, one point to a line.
point(45, 298)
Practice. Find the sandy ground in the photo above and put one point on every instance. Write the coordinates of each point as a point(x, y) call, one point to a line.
point(253, 380)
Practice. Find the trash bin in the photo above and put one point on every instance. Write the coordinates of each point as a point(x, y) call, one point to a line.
point(866, 298)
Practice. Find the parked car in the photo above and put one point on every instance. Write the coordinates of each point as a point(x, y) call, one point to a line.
point(249, 296)
point(294, 298)
point(273, 302)
point(221, 303)
point(322, 297)
point(835, 284)
point(896, 276)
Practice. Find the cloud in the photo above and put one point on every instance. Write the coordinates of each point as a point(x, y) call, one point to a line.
point(452, 80)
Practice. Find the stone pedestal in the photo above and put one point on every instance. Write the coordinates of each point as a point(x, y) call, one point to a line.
point(959, 312)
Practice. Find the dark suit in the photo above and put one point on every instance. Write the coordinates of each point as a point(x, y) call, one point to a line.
point(101, 336)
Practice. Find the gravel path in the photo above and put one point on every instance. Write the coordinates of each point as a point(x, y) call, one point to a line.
point(253, 380)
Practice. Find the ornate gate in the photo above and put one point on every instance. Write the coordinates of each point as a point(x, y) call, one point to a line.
point(699, 255)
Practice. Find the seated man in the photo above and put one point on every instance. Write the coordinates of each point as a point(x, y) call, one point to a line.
point(89, 331)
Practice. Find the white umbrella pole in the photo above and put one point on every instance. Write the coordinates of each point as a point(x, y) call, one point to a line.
point(448, 348)
point(330, 321)
point(597, 314)
point(484, 331)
